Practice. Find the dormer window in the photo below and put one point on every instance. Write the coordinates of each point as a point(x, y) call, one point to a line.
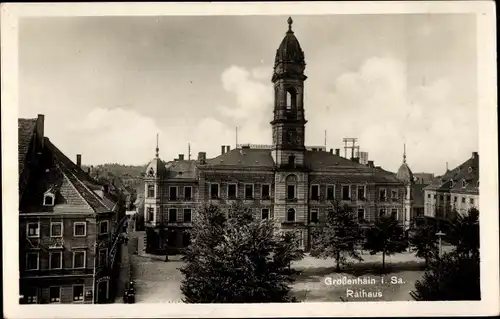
point(452, 183)
point(470, 169)
point(464, 183)
point(48, 199)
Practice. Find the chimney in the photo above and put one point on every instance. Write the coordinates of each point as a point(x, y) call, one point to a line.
point(222, 149)
point(331, 151)
point(88, 170)
point(355, 159)
point(79, 160)
point(228, 148)
point(181, 157)
point(40, 130)
point(202, 156)
point(105, 189)
point(475, 155)
point(337, 151)
point(371, 164)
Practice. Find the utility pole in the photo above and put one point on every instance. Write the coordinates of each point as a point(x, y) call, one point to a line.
point(325, 141)
point(189, 151)
point(236, 146)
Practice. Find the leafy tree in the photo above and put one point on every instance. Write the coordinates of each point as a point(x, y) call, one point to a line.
point(385, 236)
point(337, 237)
point(464, 233)
point(235, 258)
point(454, 276)
point(424, 241)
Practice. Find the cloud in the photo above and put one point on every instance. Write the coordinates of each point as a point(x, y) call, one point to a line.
point(377, 105)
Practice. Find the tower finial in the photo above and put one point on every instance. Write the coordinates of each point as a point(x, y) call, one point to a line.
point(157, 149)
point(404, 153)
point(290, 21)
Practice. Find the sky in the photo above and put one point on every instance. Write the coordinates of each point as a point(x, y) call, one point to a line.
point(108, 85)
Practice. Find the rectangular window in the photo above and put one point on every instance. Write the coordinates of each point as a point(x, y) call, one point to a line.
point(248, 191)
point(79, 259)
point(315, 192)
point(361, 192)
point(266, 191)
point(291, 160)
point(231, 191)
point(382, 194)
point(151, 214)
point(382, 212)
point(472, 201)
point(361, 214)
point(455, 199)
point(394, 193)
point(55, 294)
point(187, 215)
point(33, 230)
point(435, 196)
point(32, 261)
point(32, 297)
point(103, 257)
point(394, 213)
point(214, 191)
point(80, 229)
point(78, 292)
point(330, 192)
point(346, 192)
point(103, 227)
point(188, 192)
point(463, 200)
point(441, 197)
point(172, 215)
point(56, 229)
point(448, 198)
point(265, 213)
point(151, 191)
point(314, 216)
point(429, 196)
point(290, 191)
point(55, 260)
point(172, 192)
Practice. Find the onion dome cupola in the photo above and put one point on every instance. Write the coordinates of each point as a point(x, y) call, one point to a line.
point(289, 56)
point(404, 172)
point(156, 168)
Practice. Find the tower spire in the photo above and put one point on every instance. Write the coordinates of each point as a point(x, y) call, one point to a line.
point(404, 153)
point(157, 148)
point(290, 21)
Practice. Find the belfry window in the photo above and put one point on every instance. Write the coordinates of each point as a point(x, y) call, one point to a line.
point(291, 99)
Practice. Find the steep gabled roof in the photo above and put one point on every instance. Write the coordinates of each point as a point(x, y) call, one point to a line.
point(452, 180)
point(69, 182)
point(26, 131)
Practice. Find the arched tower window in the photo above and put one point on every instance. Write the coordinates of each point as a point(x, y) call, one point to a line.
point(290, 215)
point(291, 98)
point(291, 186)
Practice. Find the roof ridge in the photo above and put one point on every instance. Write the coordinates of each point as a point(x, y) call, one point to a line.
point(76, 177)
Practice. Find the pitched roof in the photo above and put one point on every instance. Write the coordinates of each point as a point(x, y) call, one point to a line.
point(68, 182)
point(243, 157)
point(452, 180)
point(182, 169)
point(26, 130)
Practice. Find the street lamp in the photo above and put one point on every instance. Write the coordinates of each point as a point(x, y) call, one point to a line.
point(440, 234)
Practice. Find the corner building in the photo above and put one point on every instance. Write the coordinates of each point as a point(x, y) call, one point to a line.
point(293, 184)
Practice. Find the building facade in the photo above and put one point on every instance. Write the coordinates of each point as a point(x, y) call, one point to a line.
point(67, 225)
point(287, 181)
point(455, 192)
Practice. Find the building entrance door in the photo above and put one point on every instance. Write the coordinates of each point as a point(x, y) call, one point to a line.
point(103, 291)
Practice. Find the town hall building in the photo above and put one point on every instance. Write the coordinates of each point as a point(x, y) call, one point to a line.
point(293, 184)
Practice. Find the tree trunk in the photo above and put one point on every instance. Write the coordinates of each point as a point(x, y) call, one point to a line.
point(338, 261)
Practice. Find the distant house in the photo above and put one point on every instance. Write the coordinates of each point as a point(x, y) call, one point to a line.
point(67, 225)
point(423, 178)
point(455, 191)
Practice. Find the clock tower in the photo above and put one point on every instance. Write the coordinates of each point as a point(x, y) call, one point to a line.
point(288, 124)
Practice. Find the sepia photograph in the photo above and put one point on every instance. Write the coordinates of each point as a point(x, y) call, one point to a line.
point(265, 157)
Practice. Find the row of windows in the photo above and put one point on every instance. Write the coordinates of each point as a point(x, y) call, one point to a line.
point(314, 214)
point(232, 191)
point(173, 192)
point(55, 295)
point(455, 198)
point(172, 215)
point(56, 259)
point(56, 229)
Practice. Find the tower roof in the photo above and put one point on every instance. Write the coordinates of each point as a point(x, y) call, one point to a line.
point(289, 49)
point(404, 172)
